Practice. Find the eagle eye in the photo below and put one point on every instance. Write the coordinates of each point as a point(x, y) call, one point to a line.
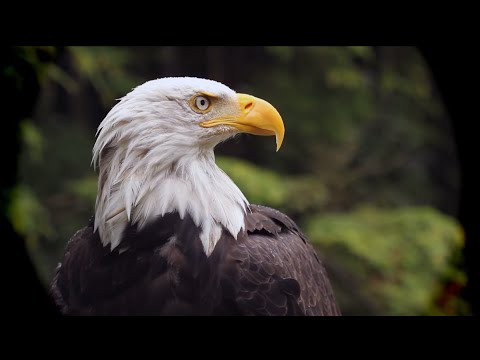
point(201, 103)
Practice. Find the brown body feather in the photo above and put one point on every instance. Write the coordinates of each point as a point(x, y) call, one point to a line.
point(270, 269)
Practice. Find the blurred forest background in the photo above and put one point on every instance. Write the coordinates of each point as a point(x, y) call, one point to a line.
point(368, 167)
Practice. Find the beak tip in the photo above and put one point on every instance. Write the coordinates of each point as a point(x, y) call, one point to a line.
point(279, 142)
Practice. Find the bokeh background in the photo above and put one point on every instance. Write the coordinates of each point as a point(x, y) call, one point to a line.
point(368, 168)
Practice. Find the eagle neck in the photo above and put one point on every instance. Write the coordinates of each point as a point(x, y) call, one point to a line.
point(192, 184)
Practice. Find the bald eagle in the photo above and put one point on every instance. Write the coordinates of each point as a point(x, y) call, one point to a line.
point(172, 234)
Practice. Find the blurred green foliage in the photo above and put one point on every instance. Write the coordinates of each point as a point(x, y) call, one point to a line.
point(29, 217)
point(104, 68)
point(393, 257)
point(292, 194)
point(368, 166)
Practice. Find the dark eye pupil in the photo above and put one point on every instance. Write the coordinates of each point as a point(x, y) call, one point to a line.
point(202, 102)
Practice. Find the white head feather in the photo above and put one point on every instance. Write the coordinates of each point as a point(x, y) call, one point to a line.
point(154, 158)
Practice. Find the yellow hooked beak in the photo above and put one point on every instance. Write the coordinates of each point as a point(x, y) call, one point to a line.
point(256, 117)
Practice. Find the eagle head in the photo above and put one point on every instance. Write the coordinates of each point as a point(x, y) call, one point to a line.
point(154, 152)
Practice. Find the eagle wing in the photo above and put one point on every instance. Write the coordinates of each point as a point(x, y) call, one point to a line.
point(274, 270)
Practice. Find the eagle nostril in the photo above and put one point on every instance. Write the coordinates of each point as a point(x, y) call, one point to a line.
point(248, 106)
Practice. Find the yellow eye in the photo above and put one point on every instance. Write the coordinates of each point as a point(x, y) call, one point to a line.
point(202, 103)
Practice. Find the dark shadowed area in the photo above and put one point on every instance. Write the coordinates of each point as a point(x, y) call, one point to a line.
point(368, 167)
